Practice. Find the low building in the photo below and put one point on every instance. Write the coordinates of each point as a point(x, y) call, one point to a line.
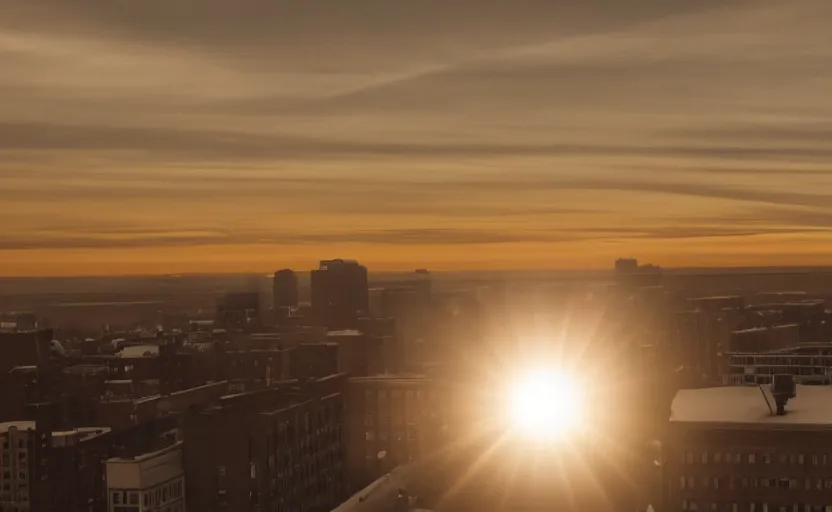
point(150, 482)
point(808, 364)
point(726, 450)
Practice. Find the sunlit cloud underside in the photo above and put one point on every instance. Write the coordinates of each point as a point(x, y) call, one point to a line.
point(145, 137)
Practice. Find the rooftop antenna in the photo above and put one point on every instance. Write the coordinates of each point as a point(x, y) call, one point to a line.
point(763, 391)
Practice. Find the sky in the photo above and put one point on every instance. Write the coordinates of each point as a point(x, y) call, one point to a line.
point(169, 136)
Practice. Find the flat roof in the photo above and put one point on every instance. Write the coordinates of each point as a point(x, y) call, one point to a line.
point(20, 425)
point(746, 405)
point(145, 456)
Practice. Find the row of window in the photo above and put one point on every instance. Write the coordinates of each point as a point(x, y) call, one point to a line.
point(370, 435)
point(163, 494)
point(753, 458)
point(21, 443)
point(755, 483)
point(694, 506)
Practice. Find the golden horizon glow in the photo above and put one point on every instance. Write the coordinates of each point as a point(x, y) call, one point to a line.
point(572, 137)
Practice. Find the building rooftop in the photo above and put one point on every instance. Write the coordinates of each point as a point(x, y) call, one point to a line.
point(20, 425)
point(139, 351)
point(345, 332)
point(145, 456)
point(745, 405)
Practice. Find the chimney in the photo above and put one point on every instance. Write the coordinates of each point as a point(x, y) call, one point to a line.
point(782, 388)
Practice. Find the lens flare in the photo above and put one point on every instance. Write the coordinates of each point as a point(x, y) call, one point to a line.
point(546, 404)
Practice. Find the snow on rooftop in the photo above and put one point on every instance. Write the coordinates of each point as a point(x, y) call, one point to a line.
point(746, 405)
point(140, 351)
point(345, 332)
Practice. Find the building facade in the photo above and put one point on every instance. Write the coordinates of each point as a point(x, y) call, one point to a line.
point(392, 420)
point(340, 293)
point(276, 449)
point(727, 452)
point(152, 482)
point(808, 364)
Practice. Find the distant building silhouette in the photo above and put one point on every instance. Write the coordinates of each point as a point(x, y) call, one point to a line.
point(285, 289)
point(340, 293)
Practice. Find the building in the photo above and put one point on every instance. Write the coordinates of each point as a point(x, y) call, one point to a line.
point(392, 420)
point(285, 289)
point(280, 450)
point(150, 482)
point(313, 360)
point(340, 293)
point(765, 339)
point(359, 354)
point(808, 364)
point(727, 449)
point(239, 310)
point(24, 348)
point(42, 470)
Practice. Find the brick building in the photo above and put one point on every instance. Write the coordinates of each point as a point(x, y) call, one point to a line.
point(392, 420)
point(43, 470)
point(276, 449)
point(726, 451)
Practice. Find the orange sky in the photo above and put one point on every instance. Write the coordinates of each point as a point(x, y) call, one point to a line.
point(154, 137)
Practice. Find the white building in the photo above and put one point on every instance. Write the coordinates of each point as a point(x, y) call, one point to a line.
point(150, 482)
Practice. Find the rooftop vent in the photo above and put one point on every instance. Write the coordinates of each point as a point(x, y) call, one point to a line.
point(782, 388)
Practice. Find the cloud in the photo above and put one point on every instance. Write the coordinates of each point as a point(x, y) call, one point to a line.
point(220, 122)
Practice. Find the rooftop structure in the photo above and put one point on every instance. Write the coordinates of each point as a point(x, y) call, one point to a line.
point(746, 406)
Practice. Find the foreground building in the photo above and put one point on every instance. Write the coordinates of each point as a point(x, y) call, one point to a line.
point(42, 470)
point(392, 420)
point(274, 449)
point(728, 450)
point(150, 482)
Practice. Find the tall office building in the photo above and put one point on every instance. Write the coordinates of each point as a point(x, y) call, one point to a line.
point(285, 289)
point(340, 293)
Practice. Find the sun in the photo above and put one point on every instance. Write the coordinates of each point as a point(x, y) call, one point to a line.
point(546, 404)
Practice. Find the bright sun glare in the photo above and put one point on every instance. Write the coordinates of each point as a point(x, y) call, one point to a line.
point(546, 404)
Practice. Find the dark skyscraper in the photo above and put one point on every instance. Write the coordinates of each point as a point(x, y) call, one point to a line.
point(339, 293)
point(285, 289)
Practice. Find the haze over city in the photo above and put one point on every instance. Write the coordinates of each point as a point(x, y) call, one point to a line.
point(216, 136)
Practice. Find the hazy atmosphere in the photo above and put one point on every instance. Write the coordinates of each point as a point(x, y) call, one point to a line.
point(157, 136)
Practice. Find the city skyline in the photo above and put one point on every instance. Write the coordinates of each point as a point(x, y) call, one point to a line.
point(214, 136)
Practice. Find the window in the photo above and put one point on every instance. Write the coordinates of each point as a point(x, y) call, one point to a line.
point(116, 498)
point(704, 457)
point(682, 483)
point(767, 458)
point(133, 498)
point(369, 435)
point(221, 471)
point(146, 500)
point(752, 458)
point(717, 457)
point(801, 459)
point(716, 483)
point(690, 482)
